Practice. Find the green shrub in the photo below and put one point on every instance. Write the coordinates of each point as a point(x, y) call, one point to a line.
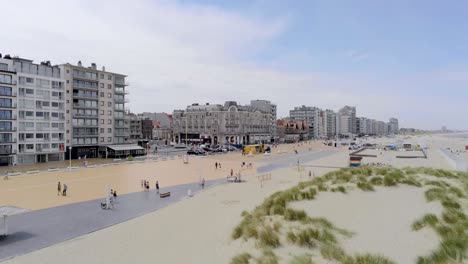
point(365, 186)
point(322, 188)
point(307, 237)
point(376, 180)
point(341, 189)
point(332, 252)
point(450, 203)
point(389, 181)
point(459, 193)
point(368, 259)
point(268, 237)
point(294, 215)
point(426, 220)
point(268, 257)
point(452, 216)
point(241, 259)
point(435, 194)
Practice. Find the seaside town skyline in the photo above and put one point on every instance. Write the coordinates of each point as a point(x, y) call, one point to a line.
point(187, 47)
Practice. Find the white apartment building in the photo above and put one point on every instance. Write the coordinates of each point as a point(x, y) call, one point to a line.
point(95, 103)
point(346, 120)
point(32, 112)
point(393, 125)
point(310, 115)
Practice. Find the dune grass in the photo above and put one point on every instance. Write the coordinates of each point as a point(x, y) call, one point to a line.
point(264, 223)
point(302, 259)
point(243, 258)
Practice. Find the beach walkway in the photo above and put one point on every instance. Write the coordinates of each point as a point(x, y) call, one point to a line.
point(42, 228)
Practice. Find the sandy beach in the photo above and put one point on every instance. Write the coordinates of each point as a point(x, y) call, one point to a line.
point(198, 229)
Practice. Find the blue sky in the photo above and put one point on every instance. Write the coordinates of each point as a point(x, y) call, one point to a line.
point(404, 59)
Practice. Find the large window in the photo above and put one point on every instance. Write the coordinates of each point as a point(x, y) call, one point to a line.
point(4, 78)
point(5, 114)
point(5, 91)
point(5, 102)
point(5, 126)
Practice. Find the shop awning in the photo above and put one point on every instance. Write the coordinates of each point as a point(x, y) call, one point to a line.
point(125, 147)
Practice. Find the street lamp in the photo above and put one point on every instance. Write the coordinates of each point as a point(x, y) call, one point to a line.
point(69, 157)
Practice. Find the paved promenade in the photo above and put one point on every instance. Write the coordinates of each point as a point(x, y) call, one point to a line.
point(42, 228)
point(288, 160)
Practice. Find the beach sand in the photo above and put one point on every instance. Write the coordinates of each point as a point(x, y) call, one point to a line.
point(198, 229)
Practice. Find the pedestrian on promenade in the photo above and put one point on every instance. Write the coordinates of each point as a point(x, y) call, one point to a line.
point(310, 174)
point(232, 173)
point(203, 183)
point(216, 165)
point(147, 186)
point(157, 187)
point(59, 189)
point(219, 164)
point(115, 195)
point(142, 184)
point(65, 187)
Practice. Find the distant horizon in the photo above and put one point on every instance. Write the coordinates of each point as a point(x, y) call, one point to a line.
point(407, 60)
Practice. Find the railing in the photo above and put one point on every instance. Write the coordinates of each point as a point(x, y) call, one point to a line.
point(8, 141)
point(84, 105)
point(13, 82)
point(8, 117)
point(7, 151)
point(7, 129)
point(86, 95)
point(84, 115)
point(12, 105)
point(9, 95)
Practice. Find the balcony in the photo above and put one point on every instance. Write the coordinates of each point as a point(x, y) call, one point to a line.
point(7, 129)
point(8, 117)
point(85, 125)
point(7, 152)
point(8, 94)
point(86, 96)
point(119, 109)
point(13, 82)
point(121, 100)
point(8, 141)
point(84, 106)
point(117, 91)
point(85, 115)
point(13, 105)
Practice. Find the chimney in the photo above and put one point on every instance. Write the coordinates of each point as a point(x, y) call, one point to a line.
point(93, 66)
point(0, 55)
point(103, 68)
point(79, 64)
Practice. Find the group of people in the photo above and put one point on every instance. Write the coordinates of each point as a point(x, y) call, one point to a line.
point(249, 165)
point(60, 190)
point(145, 185)
point(217, 165)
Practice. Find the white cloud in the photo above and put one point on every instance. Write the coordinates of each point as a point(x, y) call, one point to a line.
point(176, 54)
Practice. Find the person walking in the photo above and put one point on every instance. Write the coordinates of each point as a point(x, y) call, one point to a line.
point(59, 189)
point(216, 165)
point(115, 195)
point(65, 188)
point(157, 187)
point(219, 165)
point(310, 174)
point(203, 183)
point(232, 173)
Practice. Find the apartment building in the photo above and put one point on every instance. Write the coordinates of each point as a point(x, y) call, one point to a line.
point(393, 125)
point(95, 110)
point(8, 113)
point(310, 115)
point(346, 120)
point(135, 128)
point(32, 112)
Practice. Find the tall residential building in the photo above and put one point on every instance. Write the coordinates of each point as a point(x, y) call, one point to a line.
point(95, 103)
point(310, 115)
point(221, 124)
point(327, 124)
point(41, 112)
point(267, 106)
point(8, 113)
point(346, 120)
point(135, 128)
point(393, 126)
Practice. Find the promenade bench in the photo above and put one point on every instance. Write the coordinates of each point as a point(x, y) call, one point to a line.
point(166, 194)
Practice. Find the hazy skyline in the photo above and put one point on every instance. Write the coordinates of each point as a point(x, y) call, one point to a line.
point(404, 59)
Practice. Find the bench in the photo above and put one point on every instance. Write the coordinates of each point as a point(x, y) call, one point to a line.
point(166, 194)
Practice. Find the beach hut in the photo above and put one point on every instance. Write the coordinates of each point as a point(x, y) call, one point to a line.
point(355, 161)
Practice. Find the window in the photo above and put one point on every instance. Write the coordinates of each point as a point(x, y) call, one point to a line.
point(5, 78)
point(101, 94)
point(68, 81)
point(109, 104)
point(102, 85)
point(102, 121)
point(109, 139)
point(109, 95)
point(102, 77)
point(101, 112)
point(109, 121)
point(68, 71)
point(109, 112)
point(29, 146)
point(102, 139)
point(101, 130)
point(109, 130)
point(109, 86)
point(109, 77)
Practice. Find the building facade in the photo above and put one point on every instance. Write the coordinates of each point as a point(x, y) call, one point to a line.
point(393, 125)
point(135, 128)
point(95, 103)
point(230, 123)
point(346, 121)
point(8, 113)
point(311, 117)
point(292, 131)
point(267, 107)
point(147, 129)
